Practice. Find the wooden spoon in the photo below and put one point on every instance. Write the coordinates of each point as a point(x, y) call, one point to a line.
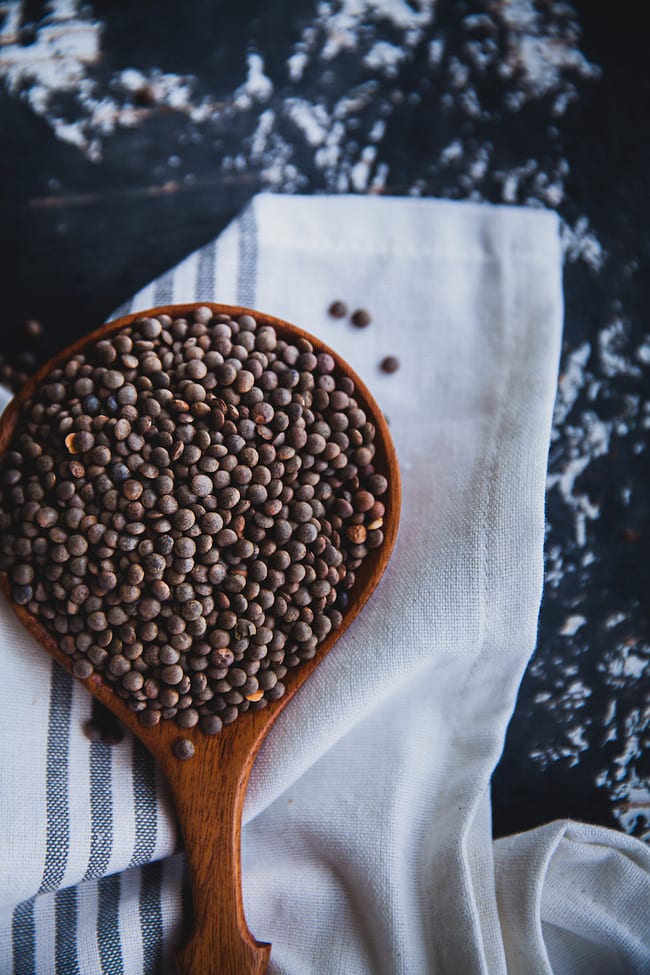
point(208, 790)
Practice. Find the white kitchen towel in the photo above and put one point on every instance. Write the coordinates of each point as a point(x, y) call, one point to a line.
point(574, 898)
point(367, 841)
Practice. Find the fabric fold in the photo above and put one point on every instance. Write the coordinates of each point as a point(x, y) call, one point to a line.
point(574, 898)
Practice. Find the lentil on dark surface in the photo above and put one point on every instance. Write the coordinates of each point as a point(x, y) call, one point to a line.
point(185, 505)
point(32, 328)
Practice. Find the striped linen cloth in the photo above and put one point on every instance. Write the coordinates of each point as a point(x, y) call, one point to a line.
point(367, 842)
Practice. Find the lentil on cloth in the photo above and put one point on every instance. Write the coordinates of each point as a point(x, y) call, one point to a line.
point(338, 309)
point(361, 318)
point(185, 505)
point(389, 364)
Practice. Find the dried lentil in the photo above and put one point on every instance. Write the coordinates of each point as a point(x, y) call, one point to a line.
point(183, 749)
point(222, 499)
point(338, 309)
point(360, 318)
point(389, 364)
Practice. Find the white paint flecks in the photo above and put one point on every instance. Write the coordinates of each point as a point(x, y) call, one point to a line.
point(572, 624)
point(548, 61)
point(66, 45)
point(581, 244)
point(339, 23)
point(60, 61)
point(612, 351)
point(539, 56)
point(581, 437)
point(571, 381)
point(258, 87)
point(313, 121)
point(642, 353)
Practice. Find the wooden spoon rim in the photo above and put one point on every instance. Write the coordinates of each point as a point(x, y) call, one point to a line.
point(252, 725)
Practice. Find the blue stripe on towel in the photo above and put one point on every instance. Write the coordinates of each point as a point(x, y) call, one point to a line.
point(23, 936)
point(247, 258)
point(144, 798)
point(108, 926)
point(66, 916)
point(151, 920)
point(186, 895)
point(58, 812)
point(101, 810)
point(205, 277)
point(163, 293)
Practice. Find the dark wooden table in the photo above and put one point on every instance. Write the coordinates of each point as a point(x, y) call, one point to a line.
point(132, 133)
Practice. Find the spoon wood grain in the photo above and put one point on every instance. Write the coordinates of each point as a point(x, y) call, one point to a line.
point(208, 790)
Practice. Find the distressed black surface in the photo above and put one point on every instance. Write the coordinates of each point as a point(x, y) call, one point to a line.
point(79, 237)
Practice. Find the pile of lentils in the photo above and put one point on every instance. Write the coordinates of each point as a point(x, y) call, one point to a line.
point(185, 505)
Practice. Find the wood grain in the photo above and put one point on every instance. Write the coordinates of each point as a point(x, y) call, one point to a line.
point(209, 789)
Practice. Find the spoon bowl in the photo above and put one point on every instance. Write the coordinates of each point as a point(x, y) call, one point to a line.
point(208, 791)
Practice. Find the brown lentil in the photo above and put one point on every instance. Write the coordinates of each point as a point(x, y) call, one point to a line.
point(185, 505)
point(360, 318)
point(183, 749)
point(32, 328)
point(389, 364)
point(338, 309)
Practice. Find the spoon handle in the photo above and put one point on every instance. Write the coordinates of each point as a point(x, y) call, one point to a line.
point(209, 794)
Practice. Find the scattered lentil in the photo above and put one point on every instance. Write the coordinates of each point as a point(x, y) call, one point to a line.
point(389, 364)
point(32, 328)
point(338, 309)
point(360, 318)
